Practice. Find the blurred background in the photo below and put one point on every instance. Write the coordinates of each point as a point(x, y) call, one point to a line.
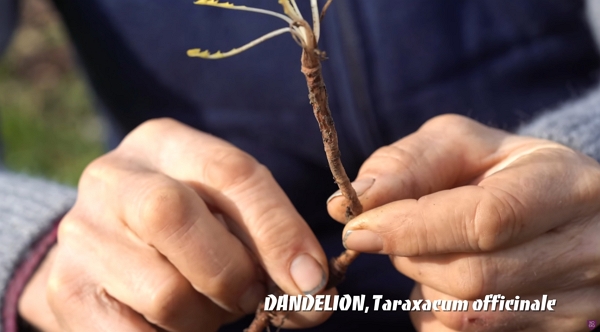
point(47, 123)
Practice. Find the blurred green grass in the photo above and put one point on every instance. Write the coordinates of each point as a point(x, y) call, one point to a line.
point(47, 123)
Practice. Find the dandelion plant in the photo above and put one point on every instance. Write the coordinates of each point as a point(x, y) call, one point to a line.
point(307, 37)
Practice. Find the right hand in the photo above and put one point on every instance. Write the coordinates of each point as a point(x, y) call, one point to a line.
point(145, 246)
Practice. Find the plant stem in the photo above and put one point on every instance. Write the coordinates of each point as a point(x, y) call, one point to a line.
point(317, 94)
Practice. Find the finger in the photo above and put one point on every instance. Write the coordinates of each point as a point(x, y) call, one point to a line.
point(446, 151)
point(568, 314)
point(541, 190)
point(571, 263)
point(173, 219)
point(138, 276)
point(244, 190)
point(39, 315)
point(161, 294)
point(79, 304)
point(305, 319)
point(425, 320)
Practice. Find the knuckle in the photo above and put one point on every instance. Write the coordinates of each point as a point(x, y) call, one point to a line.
point(65, 288)
point(403, 164)
point(447, 122)
point(471, 281)
point(70, 228)
point(229, 167)
point(149, 131)
point(494, 222)
point(219, 272)
point(153, 126)
point(279, 240)
point(274, 242)
point(219, 286)
point(56, 286)
point(62, 294)
point(164, 304)
point(100, 169)
point(163, 206)
point(398, 157)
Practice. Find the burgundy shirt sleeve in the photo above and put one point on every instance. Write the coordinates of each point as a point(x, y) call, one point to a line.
point(21, 276)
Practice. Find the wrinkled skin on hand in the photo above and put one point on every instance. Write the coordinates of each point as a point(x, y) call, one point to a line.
point(466, 210)
point(175, 230)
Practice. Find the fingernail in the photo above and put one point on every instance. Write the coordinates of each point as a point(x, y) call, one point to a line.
point(308, 274)
point(360, 186)
point(363, 240)
point(252, 297)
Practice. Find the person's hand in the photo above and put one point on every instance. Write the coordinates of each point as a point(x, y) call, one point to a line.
point(466, 211)
point(174, 230)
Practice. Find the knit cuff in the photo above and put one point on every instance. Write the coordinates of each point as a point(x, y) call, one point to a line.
point(575, 124)
point(28, 209)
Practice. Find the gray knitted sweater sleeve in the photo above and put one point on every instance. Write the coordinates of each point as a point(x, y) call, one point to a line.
point(575, 124)
point(28, 209)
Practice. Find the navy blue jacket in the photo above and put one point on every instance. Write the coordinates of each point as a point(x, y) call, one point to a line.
point(392, 65)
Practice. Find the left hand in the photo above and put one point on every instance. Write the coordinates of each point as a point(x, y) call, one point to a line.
point(466, 210)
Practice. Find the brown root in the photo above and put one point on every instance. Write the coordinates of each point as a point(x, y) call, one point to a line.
point(317, 94)
point(261, 320)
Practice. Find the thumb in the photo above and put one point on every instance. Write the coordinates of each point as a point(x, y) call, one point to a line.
point(447, 151)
